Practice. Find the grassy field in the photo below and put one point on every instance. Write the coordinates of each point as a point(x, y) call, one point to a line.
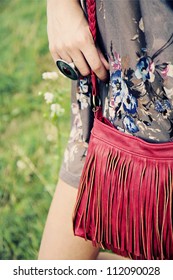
point(31, 146)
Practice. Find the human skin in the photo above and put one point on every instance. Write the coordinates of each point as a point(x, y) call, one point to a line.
point(58, 241)
point(70, 38)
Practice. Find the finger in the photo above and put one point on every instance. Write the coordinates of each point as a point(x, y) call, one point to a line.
point(80, 63)
point(92, 57)
point(103, 59)
point(60, 54)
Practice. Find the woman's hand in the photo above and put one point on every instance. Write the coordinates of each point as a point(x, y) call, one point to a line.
point(70, 38)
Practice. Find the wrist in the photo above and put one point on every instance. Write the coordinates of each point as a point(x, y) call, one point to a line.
point(62, 8)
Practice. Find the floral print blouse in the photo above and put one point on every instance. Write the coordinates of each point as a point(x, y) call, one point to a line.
point(140, 100)
point(136, 37)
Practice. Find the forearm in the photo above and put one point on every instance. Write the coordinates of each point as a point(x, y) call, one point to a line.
point(61, 7)
point(67, 15)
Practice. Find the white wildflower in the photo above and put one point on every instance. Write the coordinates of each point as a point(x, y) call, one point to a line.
point(50, 75)
point(48, 96)
point(56, 110)
point(21, 164)
point(49, 137)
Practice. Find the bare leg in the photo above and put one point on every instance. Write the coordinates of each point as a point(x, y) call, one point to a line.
point(58, 241)
point(110, 256)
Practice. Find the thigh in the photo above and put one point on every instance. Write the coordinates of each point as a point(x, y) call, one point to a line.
point(110, 256)
point(58, 241)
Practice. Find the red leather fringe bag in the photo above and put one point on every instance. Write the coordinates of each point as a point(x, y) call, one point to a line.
point(124, 202)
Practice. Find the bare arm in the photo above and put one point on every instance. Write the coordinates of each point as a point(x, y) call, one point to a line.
point(70, 38)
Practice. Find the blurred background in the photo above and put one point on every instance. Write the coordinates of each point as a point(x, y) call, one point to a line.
point(34, 126)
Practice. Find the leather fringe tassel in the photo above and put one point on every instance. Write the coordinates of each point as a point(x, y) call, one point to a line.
point(129, 212)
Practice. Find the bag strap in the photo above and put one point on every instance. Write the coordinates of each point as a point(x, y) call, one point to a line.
point(91, 10)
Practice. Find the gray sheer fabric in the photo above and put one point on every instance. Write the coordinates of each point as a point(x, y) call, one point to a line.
point(136, 38)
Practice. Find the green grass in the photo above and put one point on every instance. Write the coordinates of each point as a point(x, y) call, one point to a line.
point(31, 146)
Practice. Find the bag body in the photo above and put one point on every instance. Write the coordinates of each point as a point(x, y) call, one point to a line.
point(124, 202)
